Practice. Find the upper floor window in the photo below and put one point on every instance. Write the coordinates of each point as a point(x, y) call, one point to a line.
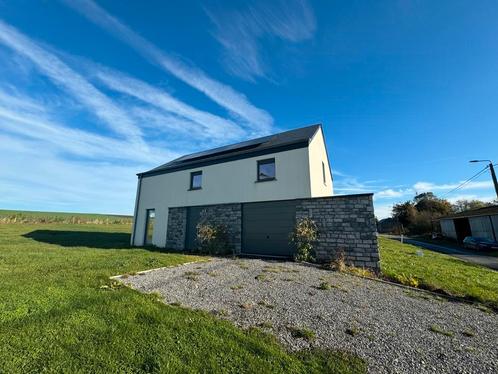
point(266, 169)
point(196, 180)
point(323, 173)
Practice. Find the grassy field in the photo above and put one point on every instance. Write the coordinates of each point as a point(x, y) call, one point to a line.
point(20, 216)
point(438, 272)
point(59, 312)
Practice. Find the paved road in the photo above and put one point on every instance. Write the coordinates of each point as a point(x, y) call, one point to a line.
point(463, 254)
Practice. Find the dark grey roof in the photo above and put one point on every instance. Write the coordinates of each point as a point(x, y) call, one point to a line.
point(293, 139)
point(486, 211)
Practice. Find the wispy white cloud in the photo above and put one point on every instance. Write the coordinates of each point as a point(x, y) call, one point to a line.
point(235, 102)
point(428, 186)
point(486, 198)
point(210, 124)
point(240, 32)
point(73, 168)
point(52, 183)
point(393, 193)
point(72, 82)
point(23, 116)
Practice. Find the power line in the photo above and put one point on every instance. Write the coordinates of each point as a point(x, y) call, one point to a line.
point(467, 181)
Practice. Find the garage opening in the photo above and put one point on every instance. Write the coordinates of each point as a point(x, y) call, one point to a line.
point(462, 228)
point(267, 227)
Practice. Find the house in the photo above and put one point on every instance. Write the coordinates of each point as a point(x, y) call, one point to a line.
point(257, 188)
point(482, 223)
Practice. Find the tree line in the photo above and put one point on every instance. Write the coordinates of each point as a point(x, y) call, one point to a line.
point(419, 215)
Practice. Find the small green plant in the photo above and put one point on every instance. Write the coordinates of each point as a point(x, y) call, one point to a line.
point(242, 265)
point(324, 286)
point(439, 330)
point(222, 312)
point(213, 238)
point(304, 236)
point(469, 333)
point(302, 333)
point(265, 325)
point(272, 269)
point(236, 287)
point(353, 330)
point(191, 275)
point(362, 272)
point(266, 304)
point(407, 280)
point(339, 262)
point(111, 287)
point(212, 274)
point(262, 277)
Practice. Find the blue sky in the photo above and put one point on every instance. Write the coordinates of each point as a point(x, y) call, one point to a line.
point(93, 92)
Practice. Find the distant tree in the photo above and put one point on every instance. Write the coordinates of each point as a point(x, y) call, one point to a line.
point(463, 205)
point(404, 213)
point(428, 202)
point(417, 216)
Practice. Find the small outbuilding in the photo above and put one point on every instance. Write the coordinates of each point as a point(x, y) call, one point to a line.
point(482, 223)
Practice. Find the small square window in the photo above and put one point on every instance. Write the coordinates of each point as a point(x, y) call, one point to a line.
point(266, 169)
point(196, 180)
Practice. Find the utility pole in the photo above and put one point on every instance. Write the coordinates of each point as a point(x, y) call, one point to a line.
point(493, 174)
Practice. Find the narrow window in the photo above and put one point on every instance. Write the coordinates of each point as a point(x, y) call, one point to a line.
point(196, 180)
point(266, 169)
point(323, 173)
point(149, 226)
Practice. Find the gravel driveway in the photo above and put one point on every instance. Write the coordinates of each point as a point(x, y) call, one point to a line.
point(395, 329)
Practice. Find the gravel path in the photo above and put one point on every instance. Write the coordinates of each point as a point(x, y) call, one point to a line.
point(396, 330)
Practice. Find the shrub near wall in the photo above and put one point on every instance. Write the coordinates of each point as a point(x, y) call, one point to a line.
point(213, 239)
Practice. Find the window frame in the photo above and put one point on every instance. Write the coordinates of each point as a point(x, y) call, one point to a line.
point(147, 221)
point(192, 175)
point(323, 174)
point(266, 162)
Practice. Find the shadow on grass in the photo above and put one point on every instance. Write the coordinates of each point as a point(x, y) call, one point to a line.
point(91, 239)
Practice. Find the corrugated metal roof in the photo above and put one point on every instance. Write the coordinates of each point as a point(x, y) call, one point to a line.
point(486, 211)
point(292, 139)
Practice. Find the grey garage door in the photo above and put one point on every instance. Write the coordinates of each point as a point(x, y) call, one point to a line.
point(193, 216)
point(266, 228)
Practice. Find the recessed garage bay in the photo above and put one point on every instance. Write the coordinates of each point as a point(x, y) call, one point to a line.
point(267, 226)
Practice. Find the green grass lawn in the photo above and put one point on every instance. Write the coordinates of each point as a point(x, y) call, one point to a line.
point(34, 217)
point(438, 272)
point(55, 316)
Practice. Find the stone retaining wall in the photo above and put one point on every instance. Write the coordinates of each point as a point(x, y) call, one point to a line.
point(177, 228)
point(346, 225)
